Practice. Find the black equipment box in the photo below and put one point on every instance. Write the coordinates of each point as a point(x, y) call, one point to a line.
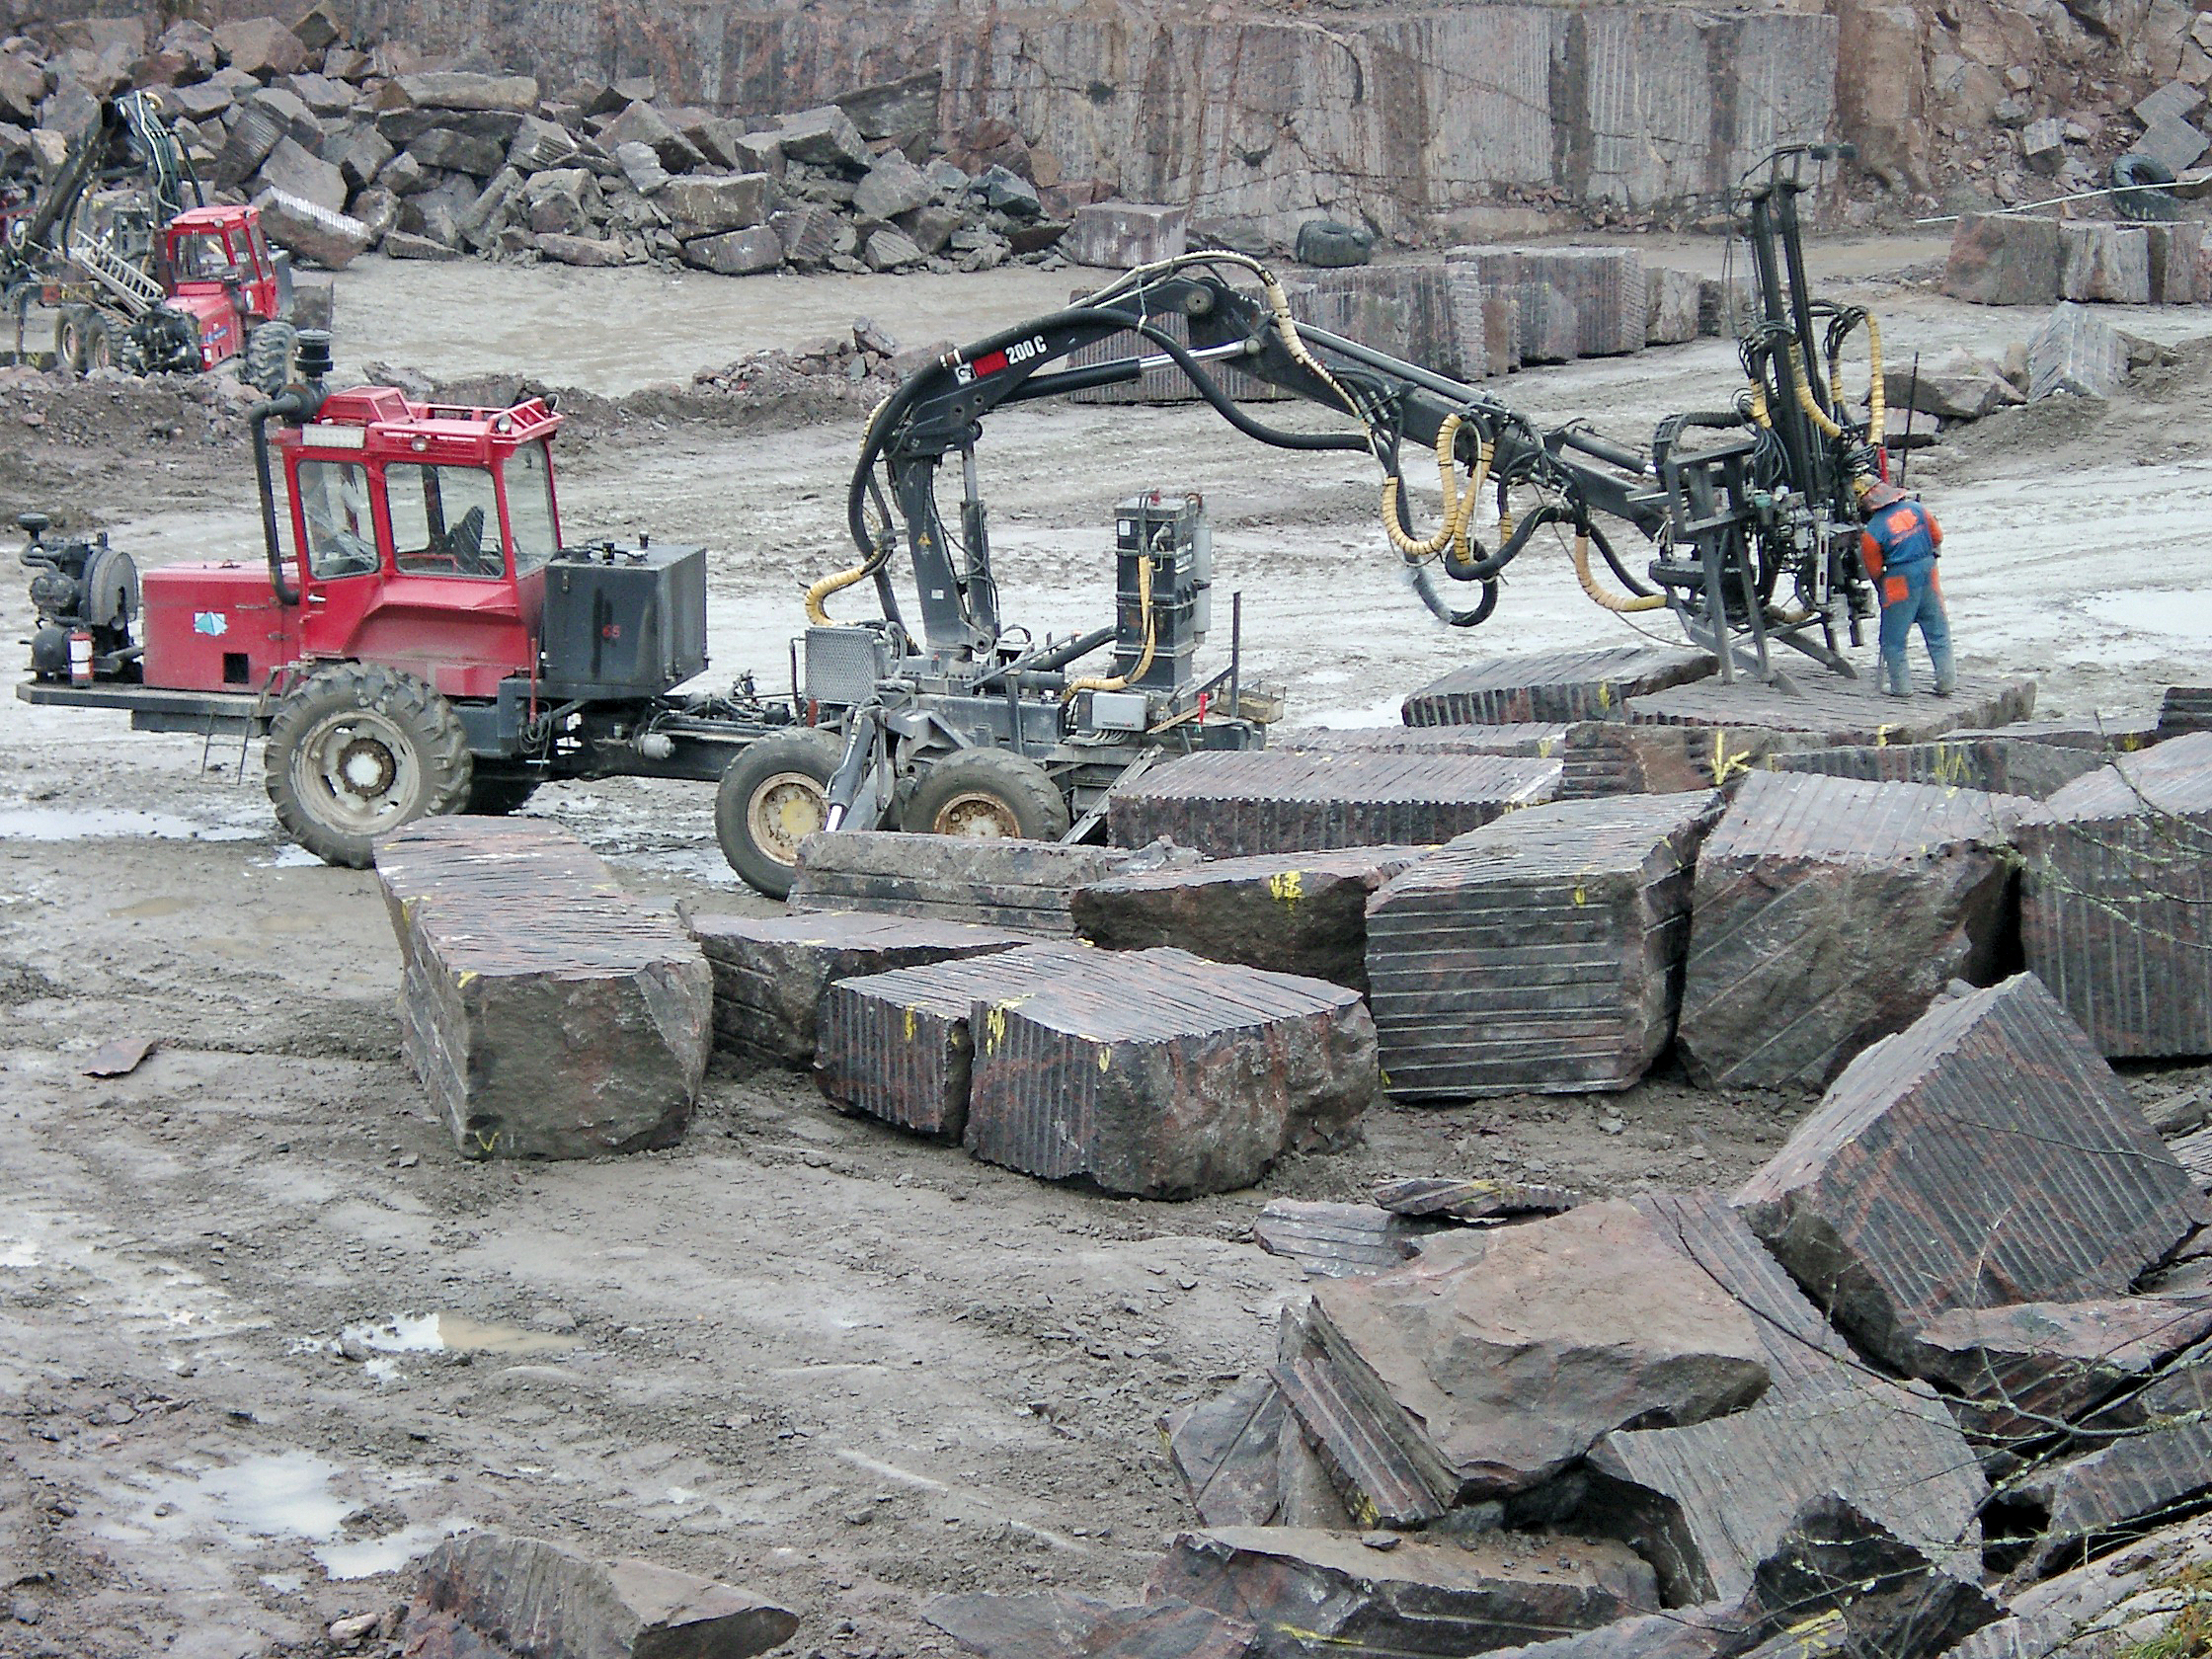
point(624, 621)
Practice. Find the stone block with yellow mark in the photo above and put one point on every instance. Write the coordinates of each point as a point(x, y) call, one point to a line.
point(1161, 1074)
point(1299, 912)
point(1541, 952)
point(547, 1012)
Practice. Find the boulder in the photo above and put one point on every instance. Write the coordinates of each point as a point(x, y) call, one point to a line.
point(2043, 145)
point(813, 235)
point(2175, 251)
point(825, 138)
point(736, 253)
point(407, 245)
point(23, 86)
point(453, 88)
point(547, 1012)
point(404, 176)
point(1117, 235)
point(1163, 1075)
point(300, 173)
point(1564, 685)
point(899, 111)
point(1706, 1502)
point(533, 1597)
point(1542, 952)
point(1498, 1359)
point(770, 972)
point(364, 156)
point(247, 145)
point(261, 46)
point(641, 167)
point(705, 203)
point(1004, 190)
point(2175, 101)
point(1296, 913)
point(2003, 260)
point(316, 234)
point(1225, 1449)
point(647, 125)
point(1304, 1589)
point(1984, 1156)
point(454, 151)
point(2173, 144)
point(929, 228)
point(1957, 386)
point(1670, 310)
point(540, 146)
point(890, 250)
point(377, 211)
point(2015, 1371)
point(2113, 899)
point(892, 187)
point(1841, 1581)
point(896, 1045)
point(591, 250)
point(1829, 911)
point(2077, 353)
point(1236, 803)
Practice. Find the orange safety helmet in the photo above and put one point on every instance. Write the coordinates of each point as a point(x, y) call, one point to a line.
point(1878, 496)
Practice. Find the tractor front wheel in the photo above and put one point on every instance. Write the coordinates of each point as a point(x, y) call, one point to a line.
point(267, 361)
point(359, 751)
point(773, 796)
point(100, 343)
point(988, 793)
point(69, 339)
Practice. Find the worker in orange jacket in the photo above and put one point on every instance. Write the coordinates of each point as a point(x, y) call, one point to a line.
point(1899, 549)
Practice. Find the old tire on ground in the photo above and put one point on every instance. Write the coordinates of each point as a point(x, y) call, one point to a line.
point(2135, 180)
point(359, 751)
point(496, 796)
point(988, 793)
point(772, 797)
point(267, 361)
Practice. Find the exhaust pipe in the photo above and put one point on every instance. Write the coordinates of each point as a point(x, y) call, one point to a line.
point(298, 405)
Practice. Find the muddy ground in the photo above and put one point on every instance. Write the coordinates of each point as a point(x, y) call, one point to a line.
point(263, 1337)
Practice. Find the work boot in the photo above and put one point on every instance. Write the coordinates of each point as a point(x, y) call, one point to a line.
point(1946, 675)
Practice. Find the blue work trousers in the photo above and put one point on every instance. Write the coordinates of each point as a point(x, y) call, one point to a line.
point(1911, 594)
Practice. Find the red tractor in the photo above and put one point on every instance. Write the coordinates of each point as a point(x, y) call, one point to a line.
point(421, 641)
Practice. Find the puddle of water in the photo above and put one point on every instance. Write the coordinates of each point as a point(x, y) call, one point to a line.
point(291, 857)
point(2183, 614)
point(370, 1556)
point(433, 1333)
point(70, 824)
point(151, 907)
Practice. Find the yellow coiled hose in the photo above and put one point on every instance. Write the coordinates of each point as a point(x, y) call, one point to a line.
point(1119, 681)
point(1458, 507)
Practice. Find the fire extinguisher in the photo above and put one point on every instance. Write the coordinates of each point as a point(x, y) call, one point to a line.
point(80, 658)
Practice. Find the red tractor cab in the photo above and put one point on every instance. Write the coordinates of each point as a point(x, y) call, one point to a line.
point(416, 640)
point(221, 275)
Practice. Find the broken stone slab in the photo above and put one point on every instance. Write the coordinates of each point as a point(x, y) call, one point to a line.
point(595, 251)
point(1226, 1451)
point(1565, 686)
point(736, 253)
point(1373, 1479)
point(1336, 1241)
point(1303, 1493)
point(825, 138)
point(1476, 1200)
point(1308, 1591)
point(2175, 101)
point(1804, 1352)
point(2127, 1595)
point(1685, 1634)
point(451, 150)
point(1243, 803)
point(2043, 145)
point(2113, 912)
point(1540, 738)
point(2152, 1473)
point(1498, 1358)
point(770, 972)
point(315, 234)
point(892, 187)
point(1118, 235)
point(1027, 886)
point(642, 122)
point(2076, 354)
point(813, 235)
point(2185, 709)
point(1039, 1624)
point(537, 1598)
point(1706, 1503)
point(546, 1011)
point(1862, 1589)
point(2177, 253)
point(1158, 1073)
point(1957, 386)
point(2173, 144)
point(2103, 262)
point(1671, 312)
point(2020, 1372)
point(1829, 911)
point(890, 250)
point(896, 110)
point(898, 1045)
point(1542, 952)
point(452, 89)
point(706, 204)
point(1822, 711)
point(1992, 763)
point(1983, 1157)
point(291, 168)
point(2004, 259)
point(1296, 913)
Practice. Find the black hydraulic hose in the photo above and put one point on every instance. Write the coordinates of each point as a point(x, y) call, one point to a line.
point(1424, 584)
point(1613, 562)
point(291, 403)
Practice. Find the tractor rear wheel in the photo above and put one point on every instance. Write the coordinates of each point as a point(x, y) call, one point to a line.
point(100, 343)
point(496, 796)
point(988, 793)
point(267, 361)
point(69, 340)
point(773, 796)
point(359, 751)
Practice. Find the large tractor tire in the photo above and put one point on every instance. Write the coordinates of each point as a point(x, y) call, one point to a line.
point(496, 796)
point(100, 343)
point(359, 751)
point(773, 796)
point(69, 340)
point(266, 363)
point(988, 793)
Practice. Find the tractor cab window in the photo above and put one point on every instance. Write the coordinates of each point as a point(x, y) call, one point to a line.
point(334, 504)
point(445, 520)
point(204, 257)
point(529, 506)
